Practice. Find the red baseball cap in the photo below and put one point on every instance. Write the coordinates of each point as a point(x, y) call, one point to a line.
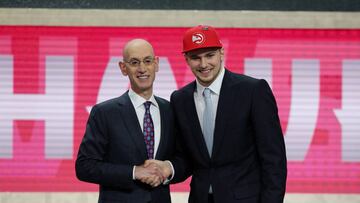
point(201, 36)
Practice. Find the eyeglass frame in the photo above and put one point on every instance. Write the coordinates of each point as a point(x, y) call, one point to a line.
point(153, 59)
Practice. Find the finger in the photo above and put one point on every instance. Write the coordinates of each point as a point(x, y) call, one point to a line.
point(158, 172)
point(149, 162)
point(156, 182)
point(149, 180)
point(146, 180)
point(155, 169)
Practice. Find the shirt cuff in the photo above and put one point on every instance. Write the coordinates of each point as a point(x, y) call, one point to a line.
point(133, 173)
point(167, 181)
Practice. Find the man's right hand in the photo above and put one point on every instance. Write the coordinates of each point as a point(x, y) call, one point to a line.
point(150, 174)
point(165, 167)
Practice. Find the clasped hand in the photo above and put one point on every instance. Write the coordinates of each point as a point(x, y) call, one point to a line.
point(153, 172)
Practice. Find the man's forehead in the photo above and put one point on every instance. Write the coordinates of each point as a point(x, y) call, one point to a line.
point(139, 53)
point(201, 51)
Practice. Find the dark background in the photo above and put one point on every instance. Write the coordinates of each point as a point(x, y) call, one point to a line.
point(261, 5)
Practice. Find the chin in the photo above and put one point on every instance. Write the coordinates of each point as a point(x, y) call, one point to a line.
point(207, 79)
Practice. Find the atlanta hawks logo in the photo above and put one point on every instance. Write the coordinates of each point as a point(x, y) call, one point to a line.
point(198, 38)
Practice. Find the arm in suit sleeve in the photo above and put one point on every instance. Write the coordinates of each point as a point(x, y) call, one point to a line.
point(90, 164)
point(180, 160)
point(270, 143)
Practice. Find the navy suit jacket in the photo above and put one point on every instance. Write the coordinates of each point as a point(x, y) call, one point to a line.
point(113, 143)
point(248, 162)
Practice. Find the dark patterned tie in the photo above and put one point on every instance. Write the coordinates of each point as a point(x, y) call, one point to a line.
point(148, 130)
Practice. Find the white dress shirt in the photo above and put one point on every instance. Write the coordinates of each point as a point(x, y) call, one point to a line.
point(215, 93)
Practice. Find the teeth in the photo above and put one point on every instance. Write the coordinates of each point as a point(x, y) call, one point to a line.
point(143, 77)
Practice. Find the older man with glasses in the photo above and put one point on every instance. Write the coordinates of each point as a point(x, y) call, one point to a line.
point(123, 132)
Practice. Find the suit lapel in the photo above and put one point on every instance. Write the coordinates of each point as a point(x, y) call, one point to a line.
point(132, 123)
point(194, 120)
point(224, 109)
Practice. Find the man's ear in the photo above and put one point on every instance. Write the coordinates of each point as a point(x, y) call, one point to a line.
point(122, 67)
point(222, 53)
point(156, 63)
point(187, 59)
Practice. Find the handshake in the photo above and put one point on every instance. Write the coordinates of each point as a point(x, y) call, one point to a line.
point(153, 172)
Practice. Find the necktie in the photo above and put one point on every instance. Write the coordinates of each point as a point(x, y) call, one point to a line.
point(148, 130)
point(208, 120)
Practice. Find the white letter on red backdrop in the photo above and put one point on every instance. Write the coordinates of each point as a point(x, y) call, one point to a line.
point(55, 107)
point(349, 114)
point(304, 109)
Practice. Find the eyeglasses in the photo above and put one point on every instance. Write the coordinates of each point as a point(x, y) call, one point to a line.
point(136, 62)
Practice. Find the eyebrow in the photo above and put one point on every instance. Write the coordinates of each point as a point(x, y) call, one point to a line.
point(146, 57)
point(197, 55)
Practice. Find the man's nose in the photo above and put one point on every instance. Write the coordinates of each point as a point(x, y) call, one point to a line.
point(142, 67)
point(203, 63)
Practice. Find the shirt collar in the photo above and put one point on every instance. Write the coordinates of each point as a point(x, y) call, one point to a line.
point(138, 100)
point(215, 85)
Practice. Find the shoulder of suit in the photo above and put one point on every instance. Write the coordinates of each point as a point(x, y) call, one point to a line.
point(161, 100)
point(104, 107)
point(106, 103)
point(113, 102)
point(187, 88)
point(237, 78)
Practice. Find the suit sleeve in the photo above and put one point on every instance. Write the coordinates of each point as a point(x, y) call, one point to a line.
point(180, 160)
point(270, 143)
point(90, 164)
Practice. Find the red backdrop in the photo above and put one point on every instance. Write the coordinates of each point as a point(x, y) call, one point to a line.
point(51, 76)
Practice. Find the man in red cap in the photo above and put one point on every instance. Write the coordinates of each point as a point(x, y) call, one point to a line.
point(229, 131)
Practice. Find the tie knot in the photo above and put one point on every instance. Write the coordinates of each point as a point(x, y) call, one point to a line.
point(207, 93)
point(147, 105)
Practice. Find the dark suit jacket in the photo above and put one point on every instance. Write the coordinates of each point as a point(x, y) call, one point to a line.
point(113, 143)
point(248, 162)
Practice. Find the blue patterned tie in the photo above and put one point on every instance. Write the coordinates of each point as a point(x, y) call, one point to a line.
point(148, 130)
point(208, 120)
